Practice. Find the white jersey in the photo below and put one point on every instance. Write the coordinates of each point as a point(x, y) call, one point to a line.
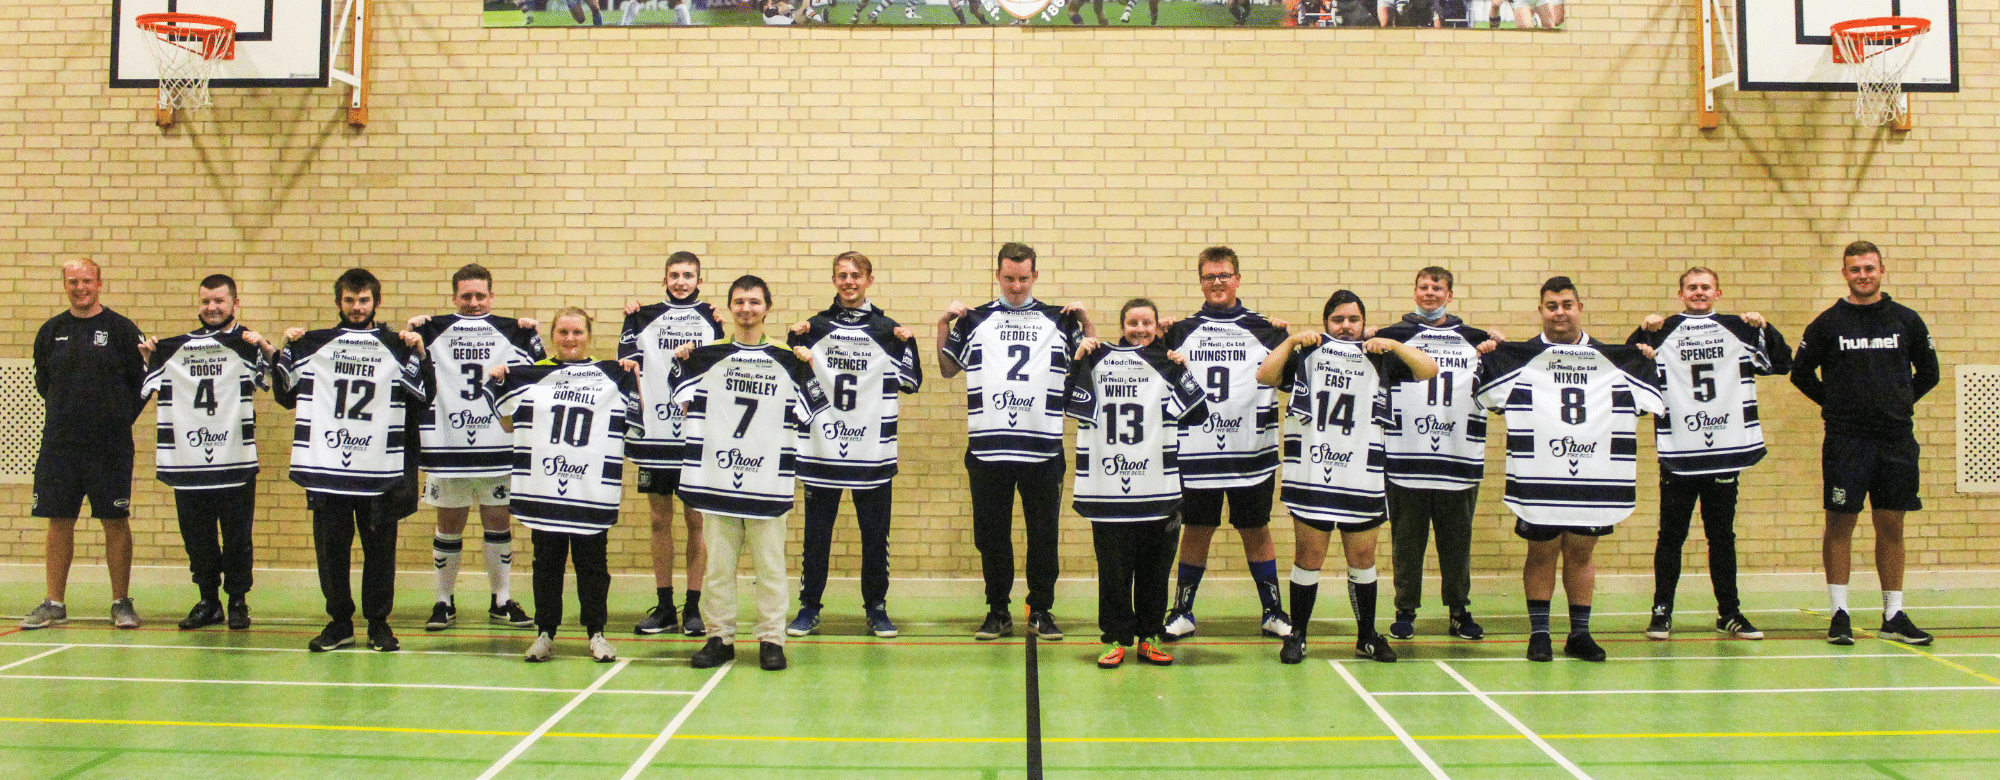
point(747, 410)
point(207, 434)
point(1015, 361)
point(460, 433)
point(1334, 458)
point(349, 386)
point(864, 368)
point(649, 338)
point(1238, 444)
point(1130, 404)
point(570, 421)
point(1709, 365)
point(1436, 438)
point(1572, 422)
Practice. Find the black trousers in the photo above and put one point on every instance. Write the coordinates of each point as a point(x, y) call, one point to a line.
point(994, 484)
point(593, 578)
point(336, 521)
point(218, 560)
point(1414, 514)
point(871, 510)
point(1132, 564)
point(1678, 495)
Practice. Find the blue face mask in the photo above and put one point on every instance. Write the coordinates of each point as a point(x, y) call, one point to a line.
point(1431, 315)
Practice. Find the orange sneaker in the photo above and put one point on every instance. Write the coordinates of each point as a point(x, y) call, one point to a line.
point(1114, 654)
point(1152, 654)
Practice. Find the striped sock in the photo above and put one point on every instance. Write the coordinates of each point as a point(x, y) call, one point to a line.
point(1579, 619)
point(446, 550)
point(1538, 616)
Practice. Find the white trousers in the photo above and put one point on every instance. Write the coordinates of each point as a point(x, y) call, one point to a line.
point(727, 537)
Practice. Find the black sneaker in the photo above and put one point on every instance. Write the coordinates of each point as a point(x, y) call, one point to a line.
point(1463, 627)
point(1374, 648)
point(1540, 649)
point(1582, 648)
point(381, 639)
point(1900, 629)
point(658, 620)
point(691, 624)
point(770, 656)
point(1405, 624)
point(205, 613)
point(1737, 627)
point(336, 635)
point(444, 614)
point(1044, 626)
point(997, 625)
point(1840, 631)
point(1294, 649)
point(508, 614)
point(713, 654)
point(239, 613)
point(1661, 625)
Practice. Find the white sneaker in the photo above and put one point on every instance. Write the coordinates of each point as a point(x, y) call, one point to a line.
point(600, 649)
point(1180, 625)
point(543, 649)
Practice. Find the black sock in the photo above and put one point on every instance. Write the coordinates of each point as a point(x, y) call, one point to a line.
point(693, 603)
point(666, 597)
point(209, 593)
point(1579, 619)
point(1362, 597)
point(1538, 616)
point(1303, 597)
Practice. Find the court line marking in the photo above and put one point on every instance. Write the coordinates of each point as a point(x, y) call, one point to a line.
point(1632, 659)
point(1512, 721)
point(674, 726)
point(314, 684)
point(44, 654)
point(1609, 692)
point(120, 645)
point(529, 741)
point(1394, 727)
point(1938, 657)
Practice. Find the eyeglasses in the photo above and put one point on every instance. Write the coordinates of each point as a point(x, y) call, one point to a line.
point(1217, 278)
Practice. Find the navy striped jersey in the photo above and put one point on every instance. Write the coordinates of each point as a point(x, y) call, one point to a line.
point(649, 338)
point(863, 366)
point(350, 387)
point(747, 412)
point(1015, 361)
point(1130, 403)
point(1436, 438)
point(1709, 364)
point(1238, 444)
point(1572, 427)
point(207, 434)
point(460, 434)
point(570, 421)
point(1334, 459)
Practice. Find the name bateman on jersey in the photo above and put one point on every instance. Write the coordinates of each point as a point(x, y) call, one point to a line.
point(1452, 361)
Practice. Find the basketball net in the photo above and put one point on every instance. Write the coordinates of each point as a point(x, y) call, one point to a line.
point(1877, 51)
point(189, 50)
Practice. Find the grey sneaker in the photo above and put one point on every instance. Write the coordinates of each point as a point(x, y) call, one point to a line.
point(600, 649)
point(48, 613)
point(123, 615)
point(543, 649)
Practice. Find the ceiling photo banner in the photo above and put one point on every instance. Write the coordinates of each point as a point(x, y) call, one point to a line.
point(1464, 14)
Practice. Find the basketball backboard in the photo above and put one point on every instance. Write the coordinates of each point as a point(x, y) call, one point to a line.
point(1785, 45)
point(279, 43)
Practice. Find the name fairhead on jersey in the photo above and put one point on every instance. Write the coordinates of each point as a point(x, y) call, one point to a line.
point(1238, 444)
point(207, 433)
point(459, 429)
point(1572, 421)
point(349, 387)
point(1436, 439)
point(570, 421)
point(1334, 459)
point(649, 338)
point(1130, 404)
point(747, 410)
point(863, 366)
point(1709, 366)
point(1015, 361)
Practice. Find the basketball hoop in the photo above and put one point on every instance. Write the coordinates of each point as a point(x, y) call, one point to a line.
point(1876, 51)
point(189, 48)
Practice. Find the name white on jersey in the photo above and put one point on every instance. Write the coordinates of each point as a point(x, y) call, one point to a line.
point(207, 431)
point(570, 422)
point(1572, 420)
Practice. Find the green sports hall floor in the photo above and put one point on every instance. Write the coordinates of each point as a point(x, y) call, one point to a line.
point(88, 701)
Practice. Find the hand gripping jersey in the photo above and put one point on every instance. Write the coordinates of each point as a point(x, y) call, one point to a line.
point(1238, 444)
point(350, 387)
point(747, 411)
point(1334, 457)
point(208, 420)
point(649, 338)
point(1015, 361)
point(1130, 404)
point(1436, 437)
point(570, 421)
point(863, 366)
point(1572, 422)
point(1709, 366)
point(461, 436)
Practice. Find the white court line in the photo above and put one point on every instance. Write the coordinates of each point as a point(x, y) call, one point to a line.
point(1695, 690)
point(529, 741)
point(311, 684)
point(1394, 727)
point(44, 654)
point(1516, 659)
point(299, 650)
point(1512, 721)
point(674, 726)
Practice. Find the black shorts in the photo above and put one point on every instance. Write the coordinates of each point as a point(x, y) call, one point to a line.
point(1549, 533)
point(659, 482)
point(65, 475)
point(1329, 526)
point(1882, 470)
point(1249, 505)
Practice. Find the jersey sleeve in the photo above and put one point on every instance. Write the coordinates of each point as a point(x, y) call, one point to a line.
point(527, 343)
point(1390, 369)
point(1498, 370)
point(285, 376)
point(809, 396)
point(1186, 402)
point(1071, 327)
point(1642, 376)
point(628, 337)
point(958, 343)
point(508, 392)
point(411, 379)
point(1080, 389)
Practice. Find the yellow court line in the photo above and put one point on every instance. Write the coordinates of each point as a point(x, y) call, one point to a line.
point(1920, 652)
point(310, 727)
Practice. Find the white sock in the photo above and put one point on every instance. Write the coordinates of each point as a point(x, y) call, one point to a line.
point(1361, 576)
point(445, 552)
point(1304, 578)
point(500, 565)
point(1892, 603)
point(1838, 595)
point(684, 14)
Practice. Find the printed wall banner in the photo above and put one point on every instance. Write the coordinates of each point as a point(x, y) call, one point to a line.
point(1464, 14)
